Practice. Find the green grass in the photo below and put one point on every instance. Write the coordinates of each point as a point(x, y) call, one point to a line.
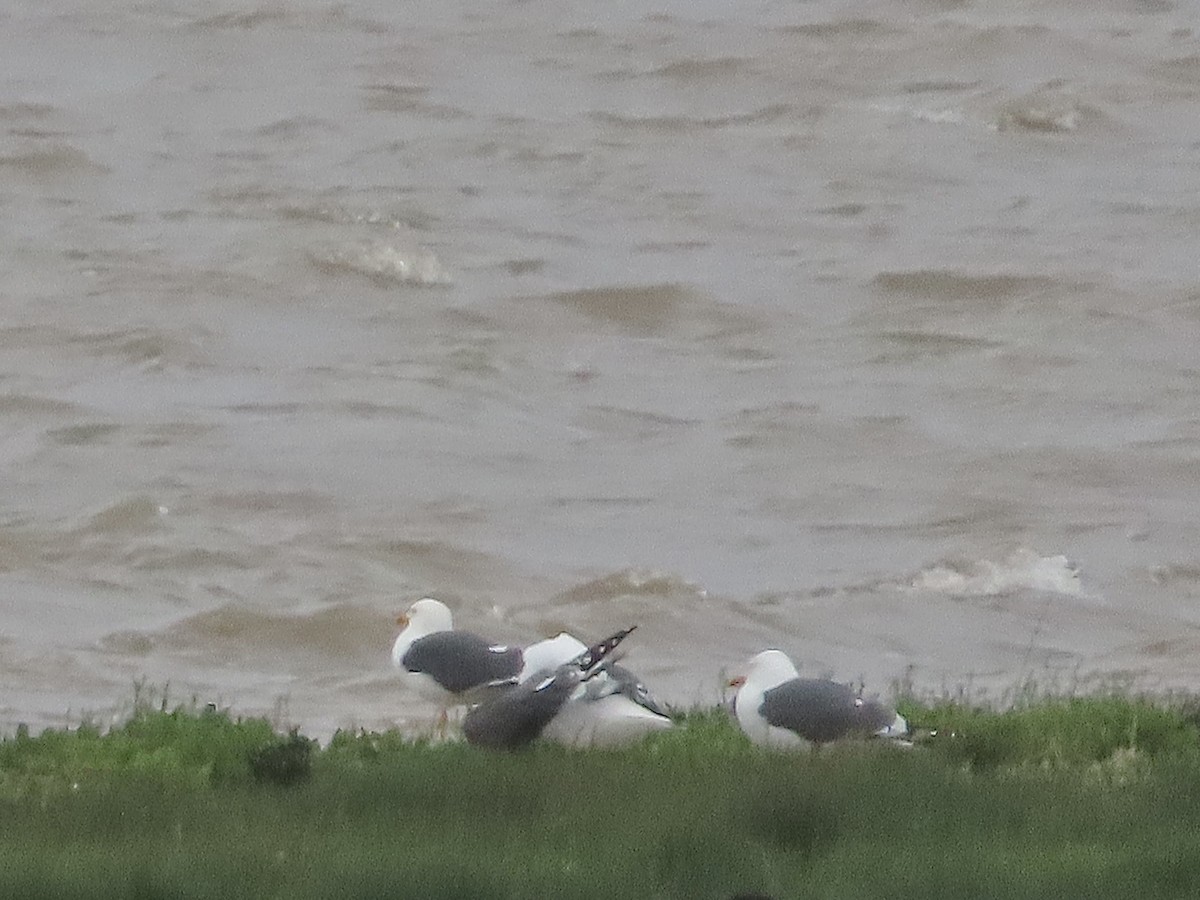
point(1095, 797)
point(1062, 732)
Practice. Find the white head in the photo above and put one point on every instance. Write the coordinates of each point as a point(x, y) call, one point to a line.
point(426, 616)
point(771, 666)
point(763, 671)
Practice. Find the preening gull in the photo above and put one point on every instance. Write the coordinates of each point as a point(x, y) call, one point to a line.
point(448, 666)
point(517, 716)
point(777, 708)
point(611, 709)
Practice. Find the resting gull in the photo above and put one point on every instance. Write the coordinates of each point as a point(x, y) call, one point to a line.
point(445, 665)
point(777, 708)
point(612, 709)
point(517, 716)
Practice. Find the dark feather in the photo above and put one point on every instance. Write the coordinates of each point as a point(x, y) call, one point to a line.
point(460, 660)
point(517, 716)
point(821, 711)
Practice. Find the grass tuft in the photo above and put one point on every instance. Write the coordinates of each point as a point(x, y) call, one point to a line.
point(286, 761)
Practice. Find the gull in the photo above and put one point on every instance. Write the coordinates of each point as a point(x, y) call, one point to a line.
point(611, 709)
point(447, 666)
point(775, 707)
point(521, 713)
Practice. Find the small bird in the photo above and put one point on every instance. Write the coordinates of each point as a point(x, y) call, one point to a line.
point(777, 708)
point(518, 715)
point(445, 665)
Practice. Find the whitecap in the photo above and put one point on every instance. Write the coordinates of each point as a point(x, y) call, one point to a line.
point(385, 263)
point(1022, 570)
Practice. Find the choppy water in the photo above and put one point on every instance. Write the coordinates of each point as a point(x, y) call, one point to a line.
point(867, 330)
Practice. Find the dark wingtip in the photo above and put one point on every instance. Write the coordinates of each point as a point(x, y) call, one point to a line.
point(598, 651)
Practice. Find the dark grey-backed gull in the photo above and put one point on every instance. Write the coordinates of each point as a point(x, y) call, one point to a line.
point(775, 707)
point(447, 666)
point(518, 715)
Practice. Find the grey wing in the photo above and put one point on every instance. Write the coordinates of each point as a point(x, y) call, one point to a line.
point(460, 660)
point(622, 681)
point(876, 716)
point(516, 717)
point(821, 711)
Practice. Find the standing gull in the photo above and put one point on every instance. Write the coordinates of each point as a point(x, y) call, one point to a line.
point(777, 708)
point(447, 666)
point(611, 709)
point(517, 716)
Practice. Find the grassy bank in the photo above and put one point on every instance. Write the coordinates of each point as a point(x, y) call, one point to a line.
point(1061, 798)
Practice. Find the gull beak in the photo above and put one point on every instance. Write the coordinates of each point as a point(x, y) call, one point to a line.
point(402, 620)
point(737, 682)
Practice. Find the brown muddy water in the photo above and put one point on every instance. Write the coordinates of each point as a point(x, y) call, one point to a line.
point(868, 331)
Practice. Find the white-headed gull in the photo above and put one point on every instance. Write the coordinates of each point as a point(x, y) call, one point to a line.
point(775, 707)
point(519, 714)
point(611, 709)
point(447, 666)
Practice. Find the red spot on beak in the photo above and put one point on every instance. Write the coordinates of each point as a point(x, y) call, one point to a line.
point(737, 682)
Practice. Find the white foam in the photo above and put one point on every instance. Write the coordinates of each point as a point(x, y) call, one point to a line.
point(934, 115)
point(385, 262)
point(939, 116)
point(1022, 570)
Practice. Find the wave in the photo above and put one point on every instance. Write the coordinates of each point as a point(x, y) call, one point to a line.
point(912, 345)
point(144, 347)
point(53, 161)
point(22, 110)
point(282, 15)
point(524, 265)
point(353, 635)
point(703, 69)
point(843, 28)
point(33, 404)
point(409, 99)
point(774, 424)
point(639, 308)
point(83, 435)
point(951, 284)
point(1179, 70)
point(272, 15)
point(940, 86)
point(632, 582)
point(657, 309)
point(135, 514)
point(1049, 111)
point(297, 127)
point(384, 263)
point(339, 214)
point(1022, 570)
point(681, 123)
point(630, 423)
point(1176, 574)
